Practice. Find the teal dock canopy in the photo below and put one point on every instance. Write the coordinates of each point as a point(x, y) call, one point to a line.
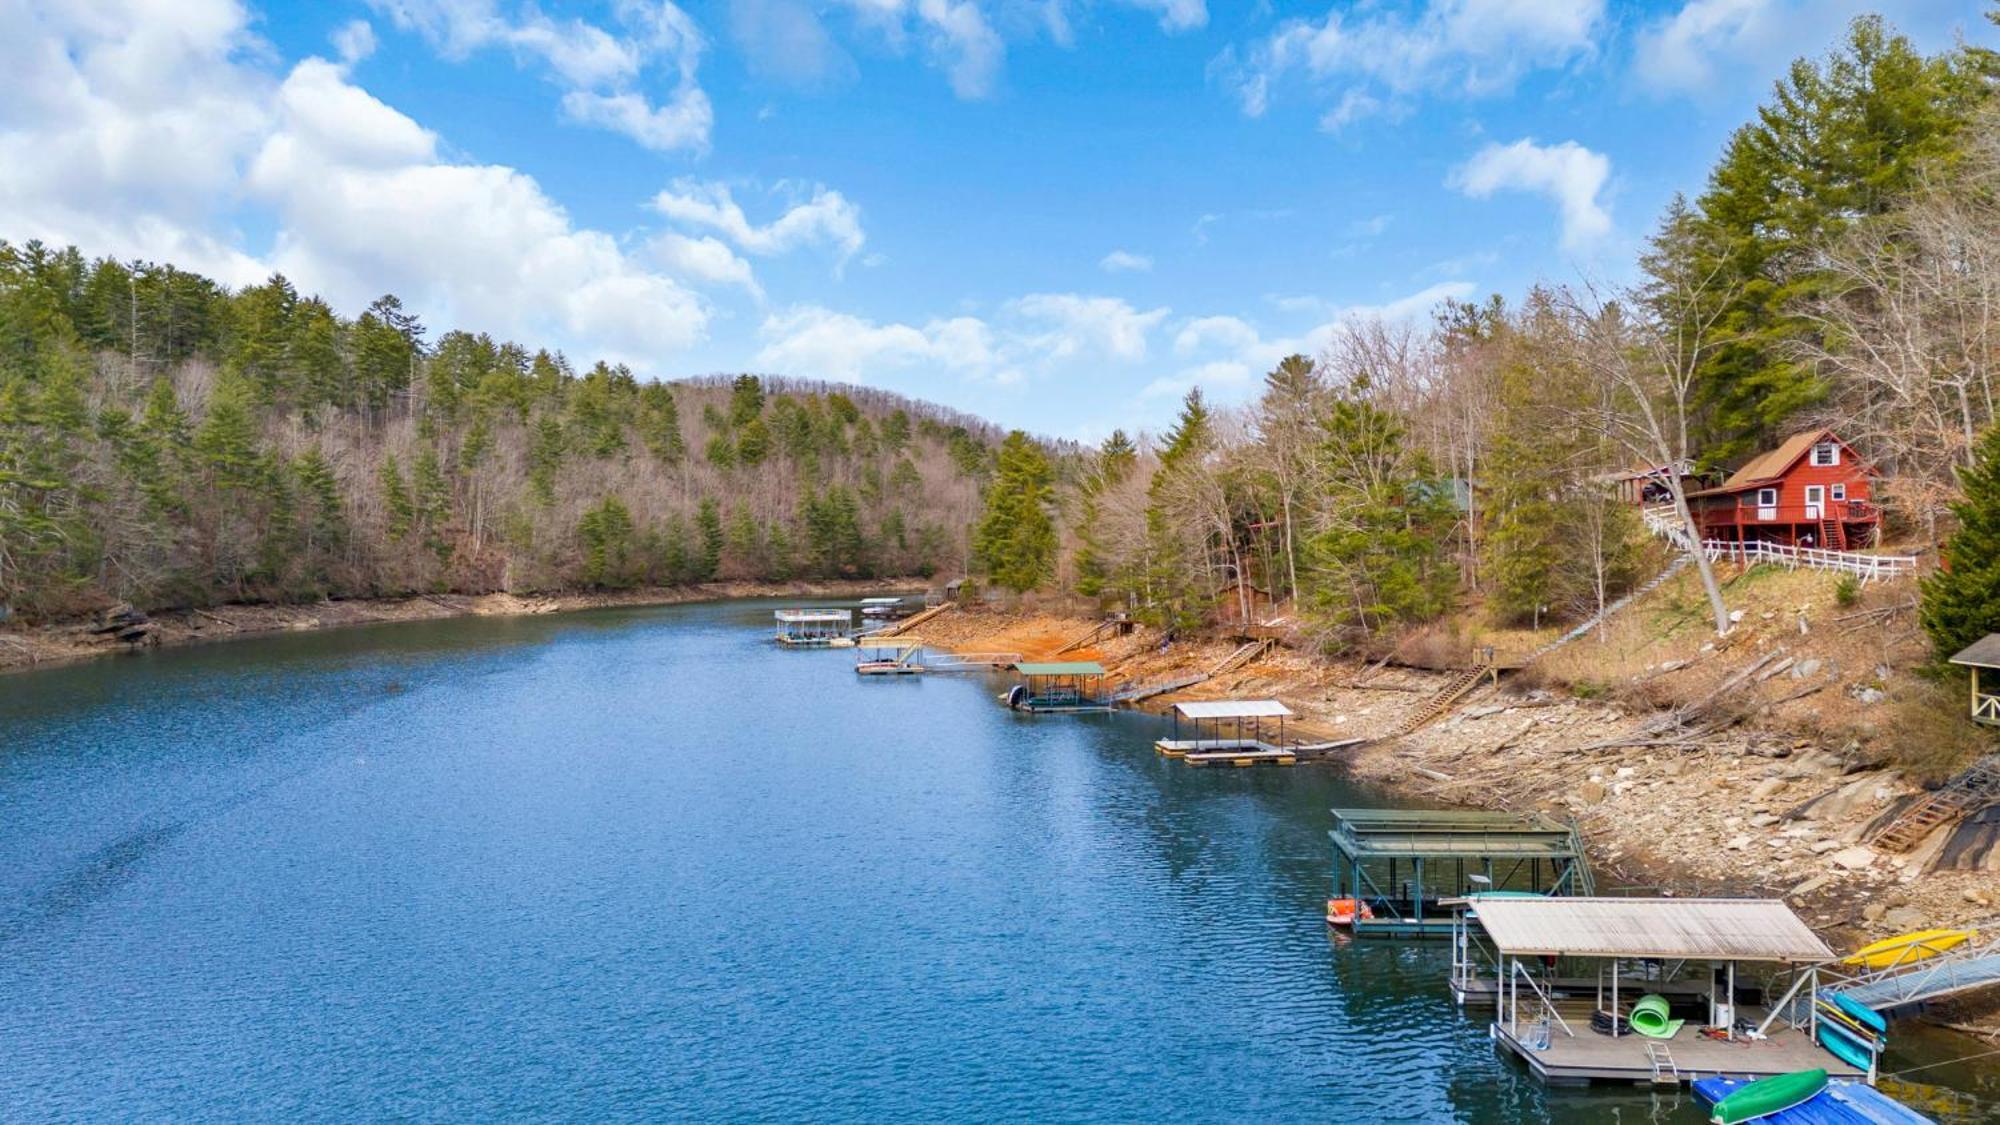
point(1062, 668)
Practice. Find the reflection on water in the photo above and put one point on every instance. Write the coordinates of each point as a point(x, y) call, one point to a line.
point(641, 863)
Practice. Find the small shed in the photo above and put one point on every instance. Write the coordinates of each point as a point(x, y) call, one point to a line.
point(1648, 989)
point(1059, 686)
point(1983, 655)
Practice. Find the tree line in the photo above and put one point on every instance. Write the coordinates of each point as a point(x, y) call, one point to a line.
point(167, 442)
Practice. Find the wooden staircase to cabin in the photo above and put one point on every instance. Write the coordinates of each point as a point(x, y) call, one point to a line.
point(1979, 784)
point(1832, 535)
point(909, 623)
point(1453, 690)
point(1241, 657)
point(1104, 630)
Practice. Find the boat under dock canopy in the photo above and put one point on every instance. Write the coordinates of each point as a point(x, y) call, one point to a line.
point(1397, 868)
point(1661, 990)
point(1236, 732)
point(1062, 686)
point(814, 627)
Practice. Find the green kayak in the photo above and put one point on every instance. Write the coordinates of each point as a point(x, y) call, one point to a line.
point(1769, 1095)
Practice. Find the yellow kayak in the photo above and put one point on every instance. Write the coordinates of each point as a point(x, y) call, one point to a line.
point(1908, 949)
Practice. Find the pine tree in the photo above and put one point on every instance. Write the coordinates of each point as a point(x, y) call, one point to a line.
point(1961, 600)
point(226, 443)
point(396, 501)
point(605, 536)
point(1840, 140)
point(1016, 539)
point(708, 519)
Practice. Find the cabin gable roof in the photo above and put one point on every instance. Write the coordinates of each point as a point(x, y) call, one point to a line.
point(1775, 464)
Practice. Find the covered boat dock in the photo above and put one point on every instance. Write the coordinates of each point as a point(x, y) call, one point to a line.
point(1679, 988)
point(814, 628)
point(1237, 732)
point(1397, 868)
point(1066, 686)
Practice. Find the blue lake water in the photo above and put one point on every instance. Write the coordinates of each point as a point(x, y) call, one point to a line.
point(644, 865)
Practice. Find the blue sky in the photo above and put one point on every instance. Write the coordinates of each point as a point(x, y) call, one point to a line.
point(1055, 213)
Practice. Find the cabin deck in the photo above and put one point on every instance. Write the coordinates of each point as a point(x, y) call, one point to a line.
point(1590, 1057)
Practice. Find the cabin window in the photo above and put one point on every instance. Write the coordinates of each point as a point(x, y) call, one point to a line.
point(1767, 498)
point(1840, 492)
point(1826, 453)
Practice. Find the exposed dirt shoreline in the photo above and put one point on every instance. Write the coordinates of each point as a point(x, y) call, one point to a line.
point(40, 646)
point(1755, 810)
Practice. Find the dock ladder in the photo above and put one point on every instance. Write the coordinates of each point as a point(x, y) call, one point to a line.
point(1977, 785)
point(1665, 1070)
point(1453, 690)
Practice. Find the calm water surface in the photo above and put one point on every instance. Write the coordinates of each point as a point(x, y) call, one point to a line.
point(640, 864)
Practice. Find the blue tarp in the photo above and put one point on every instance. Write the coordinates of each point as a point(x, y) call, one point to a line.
point(1841, 1103)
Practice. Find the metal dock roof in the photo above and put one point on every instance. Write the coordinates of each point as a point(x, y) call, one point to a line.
point(814, 616)
point(1398, 833)
point(1722, 929)
point(1061, 668)
point(1233, 709)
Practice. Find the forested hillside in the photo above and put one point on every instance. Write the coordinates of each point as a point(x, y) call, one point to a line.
point(166, 442)
point(1841, 268)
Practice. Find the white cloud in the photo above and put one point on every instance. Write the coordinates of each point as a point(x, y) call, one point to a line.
point(354, 41)
point(820, 343)
point(1035, 334)
point(1176, 15)
point(1237, 353)
point(968, 48)
point(1570, 174)
point(600, 71)
point(1710, 48)
point(957, 37)
point(365, 203)
point(1125, 261)
point(824, 218)
point(1226, 332)
point(1065, 325)
point(124, 132)
point(705, 259)
point(787, 40)
point(1369, 57)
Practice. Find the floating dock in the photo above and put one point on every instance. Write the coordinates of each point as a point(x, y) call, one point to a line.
point(1680, 963)
point(1404, 865)
point(814, 628)
point(888, 657)
point(1059, 687)
point(1229, 732)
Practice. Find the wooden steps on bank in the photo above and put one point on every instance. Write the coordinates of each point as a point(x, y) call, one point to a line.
point(1455, 689)
point(909, 623)
point(1977, 786)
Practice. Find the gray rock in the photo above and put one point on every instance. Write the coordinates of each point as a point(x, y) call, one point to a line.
point(1806, 669)
point(1854, 858)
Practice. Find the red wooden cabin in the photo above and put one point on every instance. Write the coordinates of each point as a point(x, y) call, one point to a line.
point(1811, 491)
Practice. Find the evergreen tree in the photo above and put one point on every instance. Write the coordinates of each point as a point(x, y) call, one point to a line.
point(402, 512)
point(1961, 600)
point(605, 536)
point(1016, 539)
point(226, 443)
point(1839, 141)
point(708, 519)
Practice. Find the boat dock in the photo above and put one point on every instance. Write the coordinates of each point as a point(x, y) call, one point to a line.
point(1239, 732)
point(1671, 1003)
point(814, 628)
point(1060, 687)
point(1403, 866)
point(899, 657)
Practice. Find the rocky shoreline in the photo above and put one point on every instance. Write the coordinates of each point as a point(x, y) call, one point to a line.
point(39, 646)
point(1752, 810)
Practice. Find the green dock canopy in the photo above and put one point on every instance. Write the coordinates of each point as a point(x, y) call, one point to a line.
point(1062, 668)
